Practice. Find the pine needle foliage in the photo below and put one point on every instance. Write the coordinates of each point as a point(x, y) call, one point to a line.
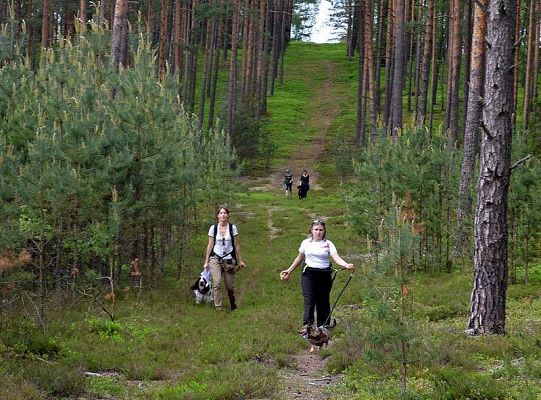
point(98, 165)
point(415, 165)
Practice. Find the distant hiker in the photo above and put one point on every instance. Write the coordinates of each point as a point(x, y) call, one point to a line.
point(304, 184)
point(316, 278)
point(288, 182)
point(223, 257)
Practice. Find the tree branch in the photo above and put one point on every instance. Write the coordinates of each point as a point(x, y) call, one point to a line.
point(521, 161)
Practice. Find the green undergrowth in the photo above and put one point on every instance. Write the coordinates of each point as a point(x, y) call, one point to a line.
point(160, 345)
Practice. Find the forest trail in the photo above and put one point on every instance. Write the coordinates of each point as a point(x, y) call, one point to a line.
point(324, 107)
point(307, 378)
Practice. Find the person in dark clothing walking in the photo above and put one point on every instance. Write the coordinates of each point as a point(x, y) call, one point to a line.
point(304, 184)
point(288, 182)
point(316, 278)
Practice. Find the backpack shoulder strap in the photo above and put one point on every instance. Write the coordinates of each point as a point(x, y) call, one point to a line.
point(215, 233)
point(233, 253)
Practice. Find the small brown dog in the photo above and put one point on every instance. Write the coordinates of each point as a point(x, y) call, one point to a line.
point(318, 337)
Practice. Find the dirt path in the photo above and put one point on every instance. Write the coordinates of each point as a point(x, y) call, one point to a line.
point(324, 107)
point(308, 379)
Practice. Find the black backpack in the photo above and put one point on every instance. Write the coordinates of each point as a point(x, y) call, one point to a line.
point(233, 254)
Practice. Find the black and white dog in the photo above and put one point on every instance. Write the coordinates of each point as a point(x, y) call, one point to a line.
point(202, 288)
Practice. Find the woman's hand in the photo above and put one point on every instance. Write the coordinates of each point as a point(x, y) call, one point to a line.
point(206, 266)
point(349, 266)
point(242, 265)
point(284, 275)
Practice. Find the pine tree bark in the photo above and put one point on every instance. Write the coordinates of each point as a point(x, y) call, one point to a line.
point(529, 63)
point(395, 119)
point(517, 59)
point(177, 26)
point(233, 67)
point(468, 28)
point(535, 71)
point(361, 93)
point(389, 43)
point(117, 43)
point(45, 24)
point(164, 36)
point(369, 66)
point(454, 71)
point(488, 300)
point(380, 6)
point(425, 64)
point(473, 120)
point(262, 58)
point(83, 18)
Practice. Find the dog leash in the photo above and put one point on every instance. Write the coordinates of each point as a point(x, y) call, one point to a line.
point(336, 271)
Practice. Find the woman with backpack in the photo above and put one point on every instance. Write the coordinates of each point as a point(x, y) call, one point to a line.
point(223, 258)
point(316, 279)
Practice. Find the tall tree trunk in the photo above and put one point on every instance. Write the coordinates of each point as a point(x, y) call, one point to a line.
point(380, 6)
point(218, 34)
point(395, 120)
point(418, 53)
point(30, 33)
point(45, 23)
point(275, 43)
point(164, 38)
point(369, 66)
point(425, 64)
point(262, 58)
point(150, 19)
point(232, 87)
point(350, 50)
point(117, 43)
point(473, 120)
point(389, 43)
point(454, 71)
point(488, 300)
point(177, 26)
point(434, 68)
point(467, 51)
point(361, 93)
point(206, 72)
point(535, 72)
point(517, 59)
point(83, 18)
point(529, 63)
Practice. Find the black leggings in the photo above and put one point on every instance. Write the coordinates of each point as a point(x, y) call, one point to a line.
point(316, 288)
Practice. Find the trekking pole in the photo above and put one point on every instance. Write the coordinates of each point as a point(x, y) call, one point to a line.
point(336, 271)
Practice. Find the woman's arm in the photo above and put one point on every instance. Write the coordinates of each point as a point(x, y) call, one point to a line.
point(210, 245)
point(237, 251)
point(284, 275)
point(340, 261)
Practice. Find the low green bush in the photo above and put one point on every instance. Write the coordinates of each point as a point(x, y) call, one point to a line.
point(15, 387)
point(456, 384)
point(50, 378)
